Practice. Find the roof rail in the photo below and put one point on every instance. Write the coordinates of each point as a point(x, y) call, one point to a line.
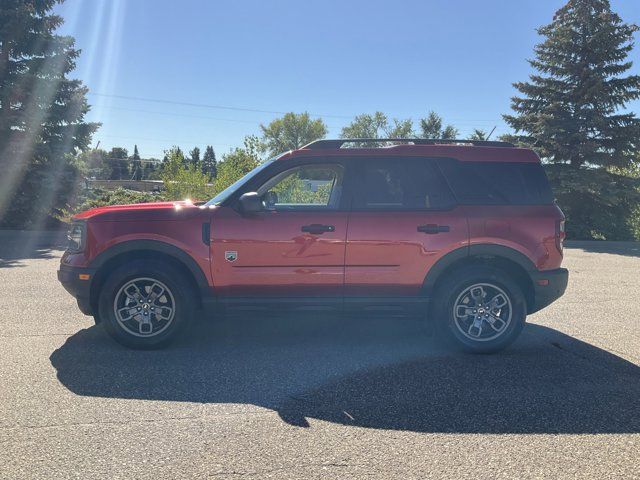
point(334, 144)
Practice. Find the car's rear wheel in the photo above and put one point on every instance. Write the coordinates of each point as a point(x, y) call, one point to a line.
point(480, 309)
point(145, 304)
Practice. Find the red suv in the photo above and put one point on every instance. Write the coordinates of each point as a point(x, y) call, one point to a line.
point(464, 232)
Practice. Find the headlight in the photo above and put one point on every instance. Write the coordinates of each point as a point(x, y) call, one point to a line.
point(76, 237)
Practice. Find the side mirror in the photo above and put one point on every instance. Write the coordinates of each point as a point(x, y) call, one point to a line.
point(250, 202)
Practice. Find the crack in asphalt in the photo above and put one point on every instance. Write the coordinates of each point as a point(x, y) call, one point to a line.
point(280, 469)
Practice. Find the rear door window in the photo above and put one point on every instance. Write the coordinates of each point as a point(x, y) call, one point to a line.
point(401, 184)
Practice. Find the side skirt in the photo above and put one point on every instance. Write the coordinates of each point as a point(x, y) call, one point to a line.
point(417, 305)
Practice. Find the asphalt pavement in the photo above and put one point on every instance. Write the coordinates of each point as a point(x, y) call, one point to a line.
point(320, 396)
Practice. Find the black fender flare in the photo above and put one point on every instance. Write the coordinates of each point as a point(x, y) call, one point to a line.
point(154, 246)
point(478, 250)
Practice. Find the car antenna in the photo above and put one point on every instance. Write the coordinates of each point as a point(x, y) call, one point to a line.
point(491, 132)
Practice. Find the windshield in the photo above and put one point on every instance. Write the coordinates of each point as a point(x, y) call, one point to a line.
point(227, 192)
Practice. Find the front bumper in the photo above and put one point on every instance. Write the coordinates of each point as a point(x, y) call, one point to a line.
point(548, 285)
point(74, 281)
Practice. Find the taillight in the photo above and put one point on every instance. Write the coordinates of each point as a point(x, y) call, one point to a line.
point(560, 235)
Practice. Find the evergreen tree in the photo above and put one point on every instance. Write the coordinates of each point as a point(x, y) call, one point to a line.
point(195, 157)
point(431, 127)
point(478, 134)
point(41, 113)
point(209, 163)
point(136, 164)
point(570, 110)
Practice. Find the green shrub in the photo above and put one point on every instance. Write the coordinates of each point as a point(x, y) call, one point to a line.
point(184, 181)
point(237, 163)
point(87, 199)
point(598, 204)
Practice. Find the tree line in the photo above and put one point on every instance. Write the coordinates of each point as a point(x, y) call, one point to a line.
point(572, 110)
point(117, 164)
point(289, 132)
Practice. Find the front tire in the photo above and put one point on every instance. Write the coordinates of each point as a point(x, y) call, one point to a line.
point(145, 304)
point(480, 309)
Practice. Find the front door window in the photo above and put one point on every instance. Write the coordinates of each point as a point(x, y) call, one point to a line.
point(306, 187)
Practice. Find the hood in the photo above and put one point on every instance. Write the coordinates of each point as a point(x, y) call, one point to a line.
point(141, 212)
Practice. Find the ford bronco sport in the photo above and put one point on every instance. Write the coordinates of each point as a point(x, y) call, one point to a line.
point(463, 232)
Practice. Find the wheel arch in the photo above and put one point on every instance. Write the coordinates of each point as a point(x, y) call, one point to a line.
point(123, 252)
point(511, 261)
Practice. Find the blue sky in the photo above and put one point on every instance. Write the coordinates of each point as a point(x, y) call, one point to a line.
point(336, 59)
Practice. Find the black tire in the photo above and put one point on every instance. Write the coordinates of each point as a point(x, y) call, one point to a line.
point(178, 297)
point(454, 290)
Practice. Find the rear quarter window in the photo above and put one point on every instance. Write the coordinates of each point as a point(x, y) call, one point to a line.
point(497, 183)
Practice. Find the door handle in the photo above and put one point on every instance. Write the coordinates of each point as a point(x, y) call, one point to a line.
point(432, 228)
point(317, 228)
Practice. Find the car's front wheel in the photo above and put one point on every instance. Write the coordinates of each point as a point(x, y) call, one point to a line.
point(145, 304)
point(480, 309)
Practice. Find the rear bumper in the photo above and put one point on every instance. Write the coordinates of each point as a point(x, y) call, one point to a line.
point(70, 278)
point(549, 285)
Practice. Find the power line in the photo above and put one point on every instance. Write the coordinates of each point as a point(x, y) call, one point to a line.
point(204, 105)
point(255, 122)
point(174, 114)
point(164, 140)
point(460, 121)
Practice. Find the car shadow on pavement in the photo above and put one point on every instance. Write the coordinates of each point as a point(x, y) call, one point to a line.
point(367, 372)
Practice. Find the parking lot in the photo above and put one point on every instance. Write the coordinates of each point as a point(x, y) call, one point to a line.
point(262, 396)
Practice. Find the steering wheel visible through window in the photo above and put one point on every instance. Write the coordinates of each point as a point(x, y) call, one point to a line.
point(304, 187)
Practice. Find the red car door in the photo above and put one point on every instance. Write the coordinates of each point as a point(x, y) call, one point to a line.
point(295, 246)
point(404, 219)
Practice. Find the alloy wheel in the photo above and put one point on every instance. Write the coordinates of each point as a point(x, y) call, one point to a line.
point(144, 307)
point(482, 312)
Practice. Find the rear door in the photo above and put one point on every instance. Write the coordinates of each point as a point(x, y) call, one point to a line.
point(404, 218)
point(295, 246)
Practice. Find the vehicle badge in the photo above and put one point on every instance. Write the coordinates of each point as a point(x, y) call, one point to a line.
point(230, 256)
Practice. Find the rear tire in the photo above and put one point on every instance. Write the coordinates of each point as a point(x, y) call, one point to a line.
point(145, 304)
point(479, 309)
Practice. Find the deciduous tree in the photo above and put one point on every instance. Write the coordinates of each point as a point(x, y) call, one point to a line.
point(180, 182)
point(119, 160)
point(290, 132)
point(376, 125)
point(237, 163)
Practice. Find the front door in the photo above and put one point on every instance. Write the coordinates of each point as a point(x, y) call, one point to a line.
point(295, 246)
